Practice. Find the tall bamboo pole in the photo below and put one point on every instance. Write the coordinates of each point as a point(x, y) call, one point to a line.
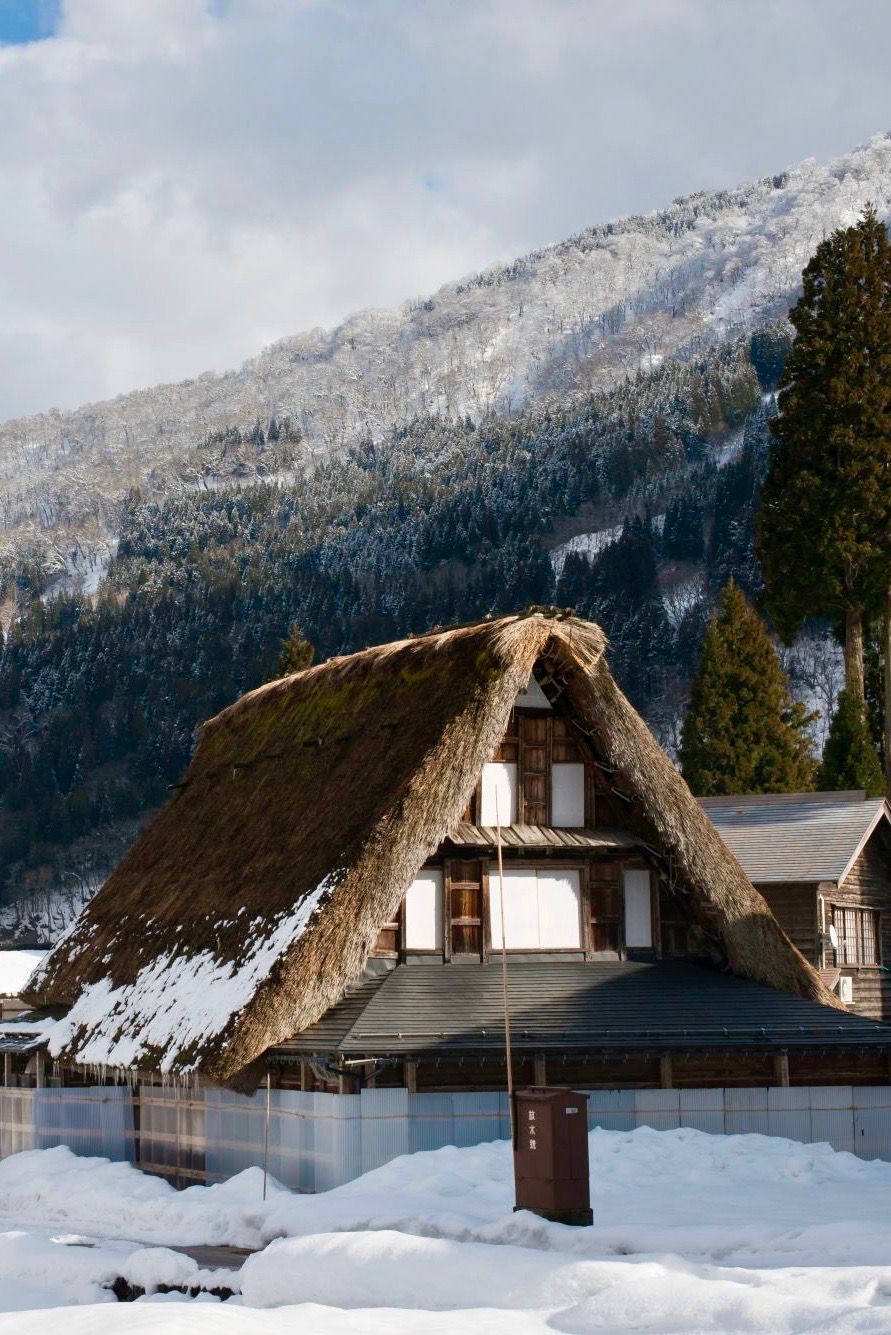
point(504, 983)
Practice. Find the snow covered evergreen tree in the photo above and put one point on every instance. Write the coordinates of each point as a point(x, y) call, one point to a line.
point(743, 733)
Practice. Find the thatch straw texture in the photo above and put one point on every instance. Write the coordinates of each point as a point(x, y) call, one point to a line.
point(254, 897)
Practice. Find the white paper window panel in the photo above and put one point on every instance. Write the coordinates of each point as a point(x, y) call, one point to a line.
point(533, 697)
point(568, 794)
point(559, 920)
point(423, 911)
point(638, 911)
point(501, 778)
point(520, 909)
point(541, 909)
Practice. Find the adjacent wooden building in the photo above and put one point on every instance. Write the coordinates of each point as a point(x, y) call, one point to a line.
point(822, 861)
point(321, 898)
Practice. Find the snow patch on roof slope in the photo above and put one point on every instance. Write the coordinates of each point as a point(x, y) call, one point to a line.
point(178, 1001)
point(16, 967)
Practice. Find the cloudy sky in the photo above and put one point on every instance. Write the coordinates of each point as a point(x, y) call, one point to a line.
point(183, 181)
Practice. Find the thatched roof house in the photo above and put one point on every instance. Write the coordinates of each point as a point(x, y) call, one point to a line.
point(254, 899)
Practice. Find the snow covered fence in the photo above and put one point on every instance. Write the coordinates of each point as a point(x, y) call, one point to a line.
point(320, 1141)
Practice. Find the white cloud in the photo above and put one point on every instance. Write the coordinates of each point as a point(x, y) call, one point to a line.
point(183, 181)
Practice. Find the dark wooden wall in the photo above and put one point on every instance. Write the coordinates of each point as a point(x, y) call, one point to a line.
point(795, 909)
point(868, 885)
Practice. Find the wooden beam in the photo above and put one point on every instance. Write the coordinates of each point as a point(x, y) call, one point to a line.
point(410, 1075)
point(781, 1070)
point(305, 1076)
point(666, 1080)
point(7, 1069)
point(39, 1068)
point(540, 1076)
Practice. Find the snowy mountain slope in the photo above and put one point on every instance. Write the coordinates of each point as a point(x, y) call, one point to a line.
point(557, 321)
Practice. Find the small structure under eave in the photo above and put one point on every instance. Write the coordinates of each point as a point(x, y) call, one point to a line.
point(321, 898)
point(823, 863)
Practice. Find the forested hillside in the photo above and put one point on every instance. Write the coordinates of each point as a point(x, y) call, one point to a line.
point(587, 312)
point(634, 506)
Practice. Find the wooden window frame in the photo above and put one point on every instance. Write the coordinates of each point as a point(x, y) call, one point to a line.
point(861, 910)
point(510, 751)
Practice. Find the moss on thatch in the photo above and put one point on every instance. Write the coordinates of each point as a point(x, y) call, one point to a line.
point(349, 775)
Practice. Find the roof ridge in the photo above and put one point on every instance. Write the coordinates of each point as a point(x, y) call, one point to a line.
point(846, 796)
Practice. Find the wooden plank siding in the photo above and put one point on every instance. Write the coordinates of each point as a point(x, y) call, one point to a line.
point(795, 909)
point(868, 885)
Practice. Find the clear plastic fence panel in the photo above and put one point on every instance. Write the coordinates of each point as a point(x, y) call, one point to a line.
point(658, 1108)
point(789, 1112)
point(872, 1121)
point(391, 1125)
point(479, 1118)
point(94, 1120)
point(832, 1115)
point(703, 1110)
point(611, 1109)
point(16, 1121)
point(235, 1126)
point(320, 1139)
point(172, 1130)
point(432, 1122)
point(745, 1110)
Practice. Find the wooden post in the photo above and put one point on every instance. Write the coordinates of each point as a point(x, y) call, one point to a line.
point(886, 654)
point(666, 1080)
point(781, 1070)
point(136, 1105)
point(540, 1077)
point(410, 1075)
point(38, 1064)
point(266, 1129)
point(305, 1076)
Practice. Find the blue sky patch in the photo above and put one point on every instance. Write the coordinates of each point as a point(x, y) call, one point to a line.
point(27, 20)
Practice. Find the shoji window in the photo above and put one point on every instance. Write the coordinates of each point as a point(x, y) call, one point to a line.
point(567, 778)
point(638, 910)
point(424, 911)
point(567, 794)
point(541, 908)
point(499, 778)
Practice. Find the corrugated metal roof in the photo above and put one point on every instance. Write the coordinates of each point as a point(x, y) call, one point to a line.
point(539, 836)
point(796, 836)
point(431, 1006)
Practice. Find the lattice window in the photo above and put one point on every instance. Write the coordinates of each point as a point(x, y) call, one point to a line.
point(858, 935)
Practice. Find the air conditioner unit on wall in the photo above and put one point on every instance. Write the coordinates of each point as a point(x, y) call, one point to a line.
point(846, 990)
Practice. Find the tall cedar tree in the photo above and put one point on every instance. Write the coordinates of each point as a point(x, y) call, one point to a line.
point(297, 653)
point(743, 733)
point(824, 530)
point(849, 758)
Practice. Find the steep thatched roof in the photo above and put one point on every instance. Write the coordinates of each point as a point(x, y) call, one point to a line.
point(252, 900)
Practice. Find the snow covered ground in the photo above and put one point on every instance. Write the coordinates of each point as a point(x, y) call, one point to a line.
point(692, 1233)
